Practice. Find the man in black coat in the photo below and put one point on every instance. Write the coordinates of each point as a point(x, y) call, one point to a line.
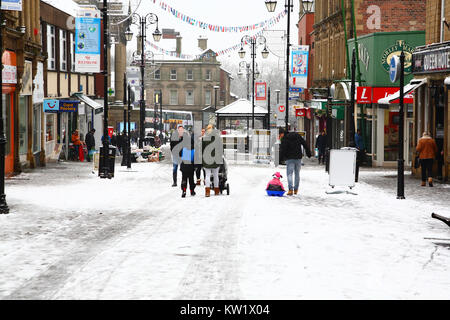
point(90, 143)
point(321, 144)
point(291, 152)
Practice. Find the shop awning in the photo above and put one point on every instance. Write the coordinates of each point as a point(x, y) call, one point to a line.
point(94, 105)
point(413, 85)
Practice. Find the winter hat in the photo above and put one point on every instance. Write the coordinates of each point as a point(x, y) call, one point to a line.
point(277, 175)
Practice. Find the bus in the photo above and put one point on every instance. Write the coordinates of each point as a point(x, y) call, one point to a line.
point(171, 119)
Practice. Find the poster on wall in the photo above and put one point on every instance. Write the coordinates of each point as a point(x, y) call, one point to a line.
point(299, 66)
point(27, 79)
point(38, 92)
point(87, 45)
point(14, 5)
point(260, 89)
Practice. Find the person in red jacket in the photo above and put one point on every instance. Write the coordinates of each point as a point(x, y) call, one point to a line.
point(76, 142)
point(427, 150)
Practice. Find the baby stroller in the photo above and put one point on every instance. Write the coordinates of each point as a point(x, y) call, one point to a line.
point(223, 177)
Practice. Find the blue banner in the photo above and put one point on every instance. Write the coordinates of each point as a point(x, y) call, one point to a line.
point(299, 66)
point(51, 106)
point(87, 35)
point(68, 106)
point(15, 5)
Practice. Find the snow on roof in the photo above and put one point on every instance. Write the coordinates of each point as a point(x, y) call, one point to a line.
point(241, 106)
point(234, 95)
point(67, 6)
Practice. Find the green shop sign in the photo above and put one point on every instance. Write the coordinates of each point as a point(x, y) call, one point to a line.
point(375, 51)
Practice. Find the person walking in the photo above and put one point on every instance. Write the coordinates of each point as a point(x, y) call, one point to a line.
point(76, 143)
point(427, 150)
point(198, 164)
point(291, 151)
point(175, 139)
point(212, 155)
point(321, 144)
point(187, 167)
point(90, 143)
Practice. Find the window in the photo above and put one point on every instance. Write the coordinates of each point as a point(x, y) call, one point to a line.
point(208, 98)
point(208, 74)
point(189, 97)
point(173, 97)
point(189, 75)
point(23, 125)
point(158, 75)
point(173, 74)
point(63, 50)
point(51, 49)
point(72, 52)
point(37, 127)
point(49, 127)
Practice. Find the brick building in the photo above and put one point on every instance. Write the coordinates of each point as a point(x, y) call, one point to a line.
point(431, 66)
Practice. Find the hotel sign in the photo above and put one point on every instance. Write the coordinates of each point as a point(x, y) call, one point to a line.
point(437, 60)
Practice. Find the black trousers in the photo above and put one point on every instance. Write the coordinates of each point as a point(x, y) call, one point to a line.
point(198, 170)
point(184, 180)
point(427, 168)
point(321, 155)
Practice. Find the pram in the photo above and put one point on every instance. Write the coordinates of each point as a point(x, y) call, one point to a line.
point(223, 177)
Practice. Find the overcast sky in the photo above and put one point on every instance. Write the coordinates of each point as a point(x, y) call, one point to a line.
point(218, 12)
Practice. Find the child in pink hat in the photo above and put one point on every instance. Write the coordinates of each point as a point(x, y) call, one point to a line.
point(275, 186)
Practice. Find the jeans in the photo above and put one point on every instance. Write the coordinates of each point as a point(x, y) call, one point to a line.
point(293, 167)
point(215, 173)
point(175, 167)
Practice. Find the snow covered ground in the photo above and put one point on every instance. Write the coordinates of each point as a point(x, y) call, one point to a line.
point(71, 235)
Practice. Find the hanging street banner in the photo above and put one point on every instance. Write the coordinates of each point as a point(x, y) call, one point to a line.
point(14, 5)
point(260, 91)
point(87, 45)
point(299, 66)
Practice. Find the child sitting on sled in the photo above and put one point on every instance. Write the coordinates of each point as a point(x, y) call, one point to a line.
point(275, 186)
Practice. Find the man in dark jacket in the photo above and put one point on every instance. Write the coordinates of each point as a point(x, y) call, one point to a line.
point(321, 144)
point(176, 142)
point(90, 143)
point(291, 152)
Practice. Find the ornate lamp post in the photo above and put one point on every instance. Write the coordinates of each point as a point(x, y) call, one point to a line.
point(3, 205)
point(142, 22)
point(289, 5)
point(253, 43)
point(246, 69)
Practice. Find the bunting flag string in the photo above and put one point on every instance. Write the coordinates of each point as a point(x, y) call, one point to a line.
point(216, 28)
point(207, 55)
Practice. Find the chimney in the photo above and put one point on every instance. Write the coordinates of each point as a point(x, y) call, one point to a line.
point(203, 43)
point(178, 49)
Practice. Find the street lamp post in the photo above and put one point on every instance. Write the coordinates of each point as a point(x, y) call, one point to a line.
point(161, 124)
point(244, 66)
point(104, 170)
point(142, 22)
point(253, 42)
point(289, 6)
point(3, 205)
point(129, 129)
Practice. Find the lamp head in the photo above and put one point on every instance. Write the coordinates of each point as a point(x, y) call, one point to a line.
point(271, 5)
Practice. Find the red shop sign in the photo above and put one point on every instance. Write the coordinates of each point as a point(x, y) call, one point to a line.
point(380, 93)
point(364, 95)
point(300, 112)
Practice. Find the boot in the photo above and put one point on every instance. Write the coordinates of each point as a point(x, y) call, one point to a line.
point(183, 195)
point(423, 184)
point(216, 191)
point(290, 193)
point(430, 182)
point(198, 182)
point(193, 193)
point(207, 191)
point(174, 179)
point(295, 191)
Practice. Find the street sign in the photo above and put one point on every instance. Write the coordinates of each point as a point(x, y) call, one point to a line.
point(298, 90)
point(281, 108)
point(394, 71)
point(13, 5)
point(110, 92)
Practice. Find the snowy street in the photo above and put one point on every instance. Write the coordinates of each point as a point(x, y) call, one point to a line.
point(72, 235)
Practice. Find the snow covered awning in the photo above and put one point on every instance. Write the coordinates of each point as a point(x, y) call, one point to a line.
point(241, 108)
point(94, 105)
point(413, 85)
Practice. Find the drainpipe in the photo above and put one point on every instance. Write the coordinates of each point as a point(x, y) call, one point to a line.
point(442, 20)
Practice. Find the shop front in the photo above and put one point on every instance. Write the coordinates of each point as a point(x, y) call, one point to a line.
point(9, 74)
point(379, 122)
point(431, 111)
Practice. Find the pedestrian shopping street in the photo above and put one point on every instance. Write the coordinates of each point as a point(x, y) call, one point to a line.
point(72, 235)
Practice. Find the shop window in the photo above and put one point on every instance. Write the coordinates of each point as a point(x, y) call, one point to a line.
point(37, 127)
point(49, 127)
point(7, 121)
point(391, 134)
point(23, 125)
